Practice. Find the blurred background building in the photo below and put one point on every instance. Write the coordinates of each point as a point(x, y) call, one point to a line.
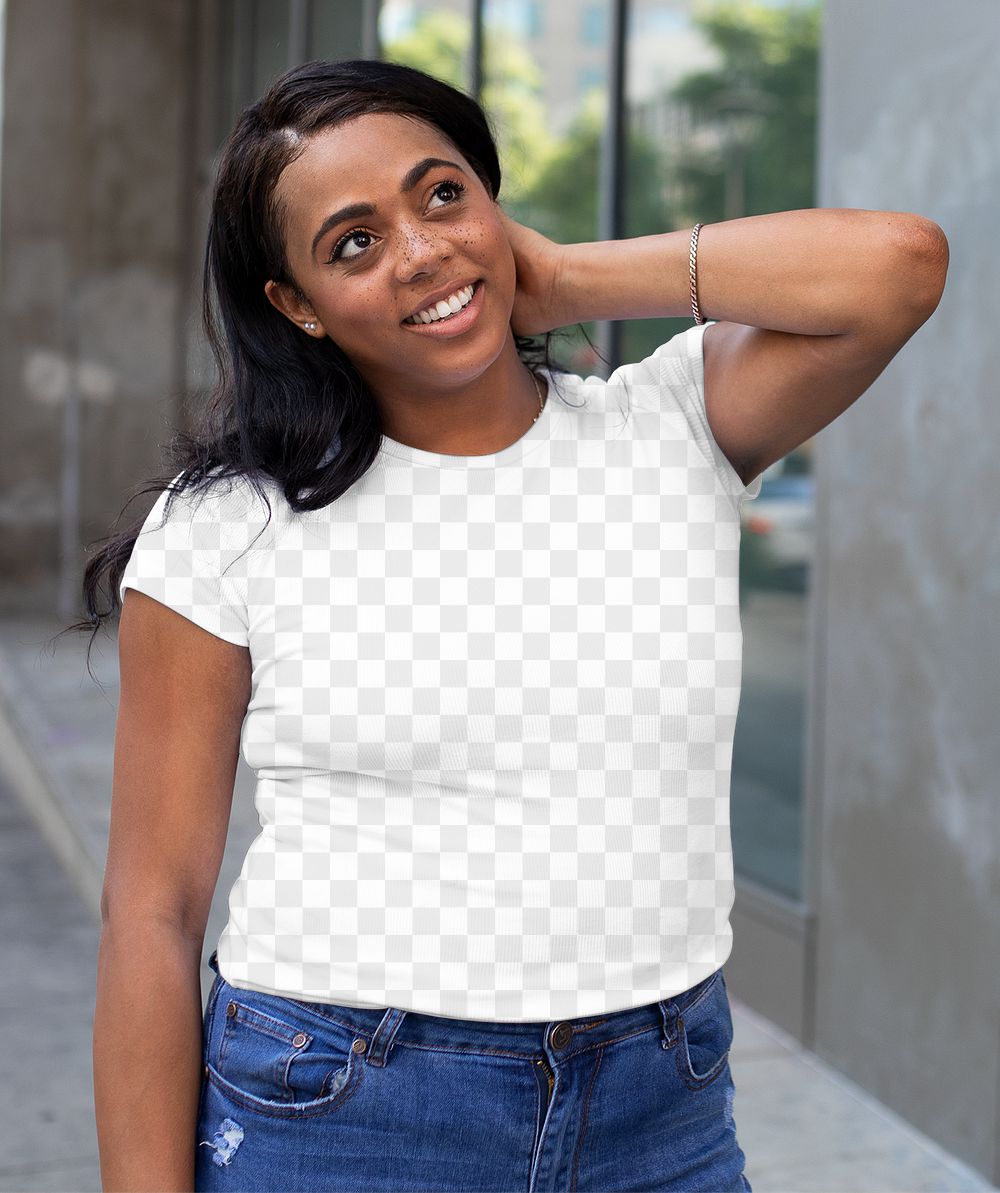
point(864, 798)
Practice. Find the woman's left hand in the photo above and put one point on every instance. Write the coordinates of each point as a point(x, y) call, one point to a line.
point(537, 299)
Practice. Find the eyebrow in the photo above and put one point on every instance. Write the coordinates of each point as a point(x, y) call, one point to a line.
point(355, 211)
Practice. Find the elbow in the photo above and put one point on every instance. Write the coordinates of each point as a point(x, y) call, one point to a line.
point(923, 268)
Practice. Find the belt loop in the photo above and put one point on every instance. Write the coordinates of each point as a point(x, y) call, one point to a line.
point(384, 1035)
point(670, 1013)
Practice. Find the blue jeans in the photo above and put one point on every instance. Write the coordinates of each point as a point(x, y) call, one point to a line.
point(318, 1096)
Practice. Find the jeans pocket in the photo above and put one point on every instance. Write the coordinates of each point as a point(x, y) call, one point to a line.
point(705, 1036)
point(271, 1057)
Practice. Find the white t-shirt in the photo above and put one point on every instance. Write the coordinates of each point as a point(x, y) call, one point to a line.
point(492, 709)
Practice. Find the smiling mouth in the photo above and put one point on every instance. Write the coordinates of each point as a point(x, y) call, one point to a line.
point(444, 310)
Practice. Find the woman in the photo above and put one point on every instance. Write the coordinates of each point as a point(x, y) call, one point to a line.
point(478, 635)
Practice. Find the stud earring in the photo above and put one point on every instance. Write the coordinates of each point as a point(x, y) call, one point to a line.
point(309, 326)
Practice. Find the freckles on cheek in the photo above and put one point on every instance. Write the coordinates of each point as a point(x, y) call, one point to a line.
point(479, 232)
point(370, 299)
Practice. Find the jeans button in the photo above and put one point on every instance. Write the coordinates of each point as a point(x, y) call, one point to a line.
point(561, 1035)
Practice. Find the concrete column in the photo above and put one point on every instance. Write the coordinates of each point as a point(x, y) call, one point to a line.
point(909, 578)
point(94, 251)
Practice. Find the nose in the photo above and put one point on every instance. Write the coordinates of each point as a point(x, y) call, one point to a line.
point(421, 253)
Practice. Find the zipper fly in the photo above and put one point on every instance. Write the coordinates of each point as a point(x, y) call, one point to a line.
point(550, 1077)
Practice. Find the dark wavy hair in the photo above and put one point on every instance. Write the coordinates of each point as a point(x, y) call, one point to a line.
point(286, 406)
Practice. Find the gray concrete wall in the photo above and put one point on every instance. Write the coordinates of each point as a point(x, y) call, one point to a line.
point(909, 579)
point(94, 255)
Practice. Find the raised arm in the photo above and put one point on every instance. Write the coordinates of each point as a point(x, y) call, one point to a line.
point(809, 308)
point(183, 696)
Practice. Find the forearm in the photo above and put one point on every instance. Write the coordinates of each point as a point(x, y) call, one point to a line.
point(824, 271)
point(147, 1040)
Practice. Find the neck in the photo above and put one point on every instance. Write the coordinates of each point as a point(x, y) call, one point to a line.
point(475, 418)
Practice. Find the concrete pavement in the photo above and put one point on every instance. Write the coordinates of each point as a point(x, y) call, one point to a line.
point(803, 1126)
point(48, 1139)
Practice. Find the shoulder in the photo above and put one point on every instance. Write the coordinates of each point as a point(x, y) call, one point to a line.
point(673, 367)
point(217, 495)
point(215, 512)
point(678, 359)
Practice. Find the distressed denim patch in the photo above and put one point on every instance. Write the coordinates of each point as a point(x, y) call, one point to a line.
point(225, 1141)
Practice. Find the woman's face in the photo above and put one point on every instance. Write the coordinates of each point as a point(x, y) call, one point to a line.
point(423, 228)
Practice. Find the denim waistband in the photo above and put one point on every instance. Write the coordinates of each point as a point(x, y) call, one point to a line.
point(565, 1036)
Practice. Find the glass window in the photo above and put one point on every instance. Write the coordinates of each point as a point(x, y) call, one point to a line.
point(433, 37)
point(523, 18)
point(396, 19)
point(255, 40)
point(533, 20)
point(336, 29)
point(721, 120)
point(546, 95)
point(271, 19)
point(594, 24)
point(589, 77)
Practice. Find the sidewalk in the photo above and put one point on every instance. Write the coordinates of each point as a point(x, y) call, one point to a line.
point(803, 1126)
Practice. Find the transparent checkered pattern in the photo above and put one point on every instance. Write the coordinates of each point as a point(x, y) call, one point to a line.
point(493, 709)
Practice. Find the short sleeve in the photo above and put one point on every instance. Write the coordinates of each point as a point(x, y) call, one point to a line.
point(677, 369)
point(196, 561)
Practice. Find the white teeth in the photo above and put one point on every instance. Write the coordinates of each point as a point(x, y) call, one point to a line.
point(445, 308)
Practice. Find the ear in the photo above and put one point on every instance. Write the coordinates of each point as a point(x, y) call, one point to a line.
point(294, 305)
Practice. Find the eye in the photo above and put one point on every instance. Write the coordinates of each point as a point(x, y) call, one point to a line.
point(448, 192)
point(457, 189)
point(338, 248)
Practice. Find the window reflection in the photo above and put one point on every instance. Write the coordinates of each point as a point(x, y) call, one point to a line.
point(433, 37)
point(721, 118)
point(776, 554)
point(547, 95)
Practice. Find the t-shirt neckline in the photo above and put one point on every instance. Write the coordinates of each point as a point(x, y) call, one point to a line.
point(539, 431)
